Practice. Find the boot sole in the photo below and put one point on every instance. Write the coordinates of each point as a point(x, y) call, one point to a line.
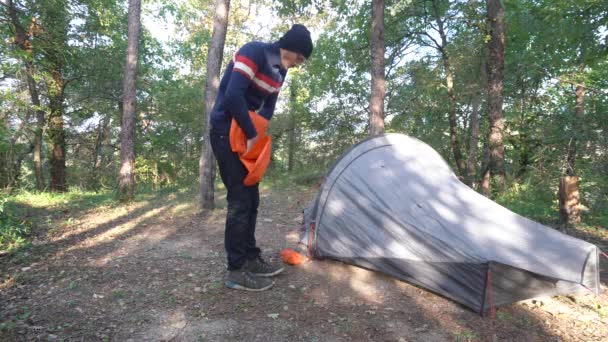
point(269, 274)
point(235, 286)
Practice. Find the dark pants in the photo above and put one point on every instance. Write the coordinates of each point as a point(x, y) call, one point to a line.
point(243, 202)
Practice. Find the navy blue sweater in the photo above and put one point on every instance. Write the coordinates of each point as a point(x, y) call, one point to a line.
point(251, 82)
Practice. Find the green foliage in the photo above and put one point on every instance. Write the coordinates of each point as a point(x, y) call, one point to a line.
point(534, 198)
point(323, 107)
point(304, 178)
point(13, 229)
point(17, 225)
point(465, 336)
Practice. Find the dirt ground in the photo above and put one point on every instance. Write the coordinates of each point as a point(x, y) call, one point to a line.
point(153, 271)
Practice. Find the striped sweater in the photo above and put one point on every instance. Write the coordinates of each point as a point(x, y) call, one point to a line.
point(251, 82)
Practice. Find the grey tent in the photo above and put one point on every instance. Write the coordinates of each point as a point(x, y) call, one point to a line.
point(392, 204)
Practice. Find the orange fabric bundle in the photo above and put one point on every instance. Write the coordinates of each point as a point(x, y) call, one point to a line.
point(256, 161)
point(291, 257)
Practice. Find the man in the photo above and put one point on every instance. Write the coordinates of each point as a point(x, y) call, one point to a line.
point(251, 82)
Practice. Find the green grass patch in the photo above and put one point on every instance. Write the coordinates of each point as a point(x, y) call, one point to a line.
point(25, 213)
point(305, 178)
point(465, 335)
point(13, 229)
point(537, 199)
point(73, 199)
point(22, 213)
point(119, 293)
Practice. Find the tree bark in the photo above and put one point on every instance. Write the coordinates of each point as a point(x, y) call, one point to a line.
point(376, 119)
point(569, 201)
point(15, 175)
point(55, 19)
point(495, 70)
point(214, 64)
point(449, 83)
point(291, 146)
point(56, 131)
point(38, 169)
point(475, 117)
point(474, 139)
point(569, 193)
point(576, 127)
point(102, 130)
point(23, 41)
point(12, 161)
point(485, 172)
point(126, 177)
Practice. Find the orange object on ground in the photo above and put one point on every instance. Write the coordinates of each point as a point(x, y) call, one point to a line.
point(255, 161)
point(291, 257)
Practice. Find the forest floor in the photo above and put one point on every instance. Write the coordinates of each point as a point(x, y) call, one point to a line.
point(153, 271)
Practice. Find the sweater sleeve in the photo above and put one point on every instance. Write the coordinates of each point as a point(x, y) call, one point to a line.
point(243, 71)
point(267, 109)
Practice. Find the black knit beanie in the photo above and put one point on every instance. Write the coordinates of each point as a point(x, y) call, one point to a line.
point(297, 39)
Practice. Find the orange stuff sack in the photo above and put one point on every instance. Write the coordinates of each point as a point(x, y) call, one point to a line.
point(257, 160)
point(291, 257)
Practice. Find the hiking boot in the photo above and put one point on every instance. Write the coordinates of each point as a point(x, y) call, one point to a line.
point(261, 268)
point(244, 280)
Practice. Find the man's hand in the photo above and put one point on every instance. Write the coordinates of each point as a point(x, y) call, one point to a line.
point(250, 143)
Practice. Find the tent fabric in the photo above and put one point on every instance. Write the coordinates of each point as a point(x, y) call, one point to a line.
point(392, 204)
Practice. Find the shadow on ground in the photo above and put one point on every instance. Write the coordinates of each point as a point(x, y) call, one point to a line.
point(153, 271)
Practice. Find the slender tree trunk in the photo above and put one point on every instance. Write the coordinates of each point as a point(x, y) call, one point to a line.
point(569, 192)
point(31, 83)
point(98, 151)
point(475, 117)
point(576, 129)
point(495, 69)
point(474, 139)
point(214, 64)
point(15, 178)
point(449, 82)
point(126, 177)
point(54, 30)
point(485, 172)
point(376, 119)
point(13, 160)
point(23, 41)
point(56, 131)
point(38, 169)
point(291, 146)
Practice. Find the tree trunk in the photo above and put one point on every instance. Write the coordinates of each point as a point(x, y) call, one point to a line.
point(449, 82)
point(56, 131)
point(102, 130)
point(291, 146)
point(214, 64)
point(576, 127)
point(12, 162)
point(126, 178)
point(485, 172)
point(569, 193)
point(376, 119)
point(54, 30)
point(474, 138)
point(470, 176)
point(23, 41)
point(38, 170)
point(569, 201)
point(495, 69)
